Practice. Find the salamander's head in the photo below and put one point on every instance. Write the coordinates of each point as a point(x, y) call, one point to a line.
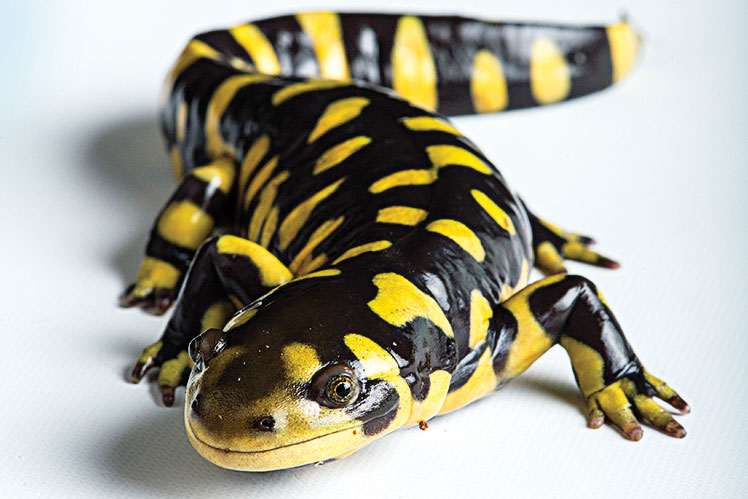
point(295, 378)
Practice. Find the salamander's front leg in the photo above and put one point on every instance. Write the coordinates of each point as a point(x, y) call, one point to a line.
point(552, 245)
point(227, 273)
point(569, 310)
point(182, 226)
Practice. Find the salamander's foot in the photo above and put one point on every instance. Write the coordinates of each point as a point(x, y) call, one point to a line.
point(175, 368)
point(155, 301)
point(553, 245)
point(155, 287)
point(636, 391)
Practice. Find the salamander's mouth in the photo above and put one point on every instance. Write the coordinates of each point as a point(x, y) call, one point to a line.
point(308, 451)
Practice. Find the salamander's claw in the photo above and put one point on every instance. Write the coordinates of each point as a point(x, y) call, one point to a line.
point(140, 370)
point(635, 391)
point(174, 372)
point(155, 301)
point(167, 395)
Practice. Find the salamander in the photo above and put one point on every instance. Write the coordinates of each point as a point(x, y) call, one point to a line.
point(342, 261)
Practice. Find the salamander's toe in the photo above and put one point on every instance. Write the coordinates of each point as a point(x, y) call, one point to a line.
point(154, 301)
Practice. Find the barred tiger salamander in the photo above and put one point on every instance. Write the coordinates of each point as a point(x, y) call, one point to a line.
point(349, 262)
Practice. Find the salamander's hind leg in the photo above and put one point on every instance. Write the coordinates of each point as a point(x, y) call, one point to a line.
point(552, 245)
point(186, 221)
point(569, 310)
point(227, 273)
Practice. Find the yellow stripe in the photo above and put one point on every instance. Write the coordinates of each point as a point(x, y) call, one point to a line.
point(403, 215)
point(405, 177)
point(292, 224)
point(220, 173)
point(327, 37)
point(258, 47)
point(313, 264)
point(480, 315)
point(185, 224)
point(375, 360)
point(429, 124)
point(217, 315)
point(339, 153)
point(180, 125)
point(219, 101)
point(272, 271)
point(461, 235)
point(399, 302)
point(550, 79)
point(364, 248)
point(320, 273)
point(290, 91)
point(482, 382)
point(336, 114)
point(494, 211)
point(252, 159)
point(413, 68)
point(488, 85)
point(260, 179)
point(194, 51)
point(262, 210)
point(319, 235)
point(240, 318)
point(271, 223)
point(624, 45)
point(446, 155)
point(155, 273)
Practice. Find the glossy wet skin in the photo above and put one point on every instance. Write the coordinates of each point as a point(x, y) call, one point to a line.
point(272, 396)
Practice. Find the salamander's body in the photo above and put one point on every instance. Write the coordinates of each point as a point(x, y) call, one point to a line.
point(374, 266)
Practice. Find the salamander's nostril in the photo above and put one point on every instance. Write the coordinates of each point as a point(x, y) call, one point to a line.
point(265, 424)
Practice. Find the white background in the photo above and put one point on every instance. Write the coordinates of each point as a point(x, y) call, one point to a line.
point(655, 168)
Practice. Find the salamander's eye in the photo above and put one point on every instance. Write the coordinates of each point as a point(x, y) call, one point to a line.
point(336, 386)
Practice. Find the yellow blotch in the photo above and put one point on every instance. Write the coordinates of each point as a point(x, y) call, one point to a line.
point(494, 211)
point(256, 152)
point(399, 302)
point(150, 352)
point(550, 79)
point(258, 47)
point(375, 360)
point(338, 113)
point(240, 318)
point(403, 215)
point(217, 315)
point(624, 45)
point(320, 273)
point(219, 101)
point(531, 340)
point(430, 406)
point(295, 89)
point(301, 362)
point(507, 290)
point(461, 235)
point(364, 248)
point(339, 153)
point(177, 165)
point(327, 38)
point(413, 68)
point(262, 176)
point(480, 316)
point(271, 223)
point(405, 177)
point(482, 382)
point(153, 274)
point(220, 173)
point(320, 234)
point(185, 224)
point(264, 205)
point(272, 271)
point(429, 124)
point(447, 155)
point(488, 85)
point(574, 250)
point(171, 371)
point(295, 220)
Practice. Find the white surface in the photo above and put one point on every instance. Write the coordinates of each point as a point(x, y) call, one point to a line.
point(654, 168)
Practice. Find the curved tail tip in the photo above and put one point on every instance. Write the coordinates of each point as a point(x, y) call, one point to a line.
point(624, 44)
